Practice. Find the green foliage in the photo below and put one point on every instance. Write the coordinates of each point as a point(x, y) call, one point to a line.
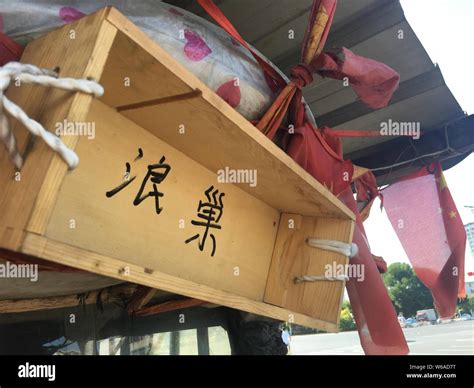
point(346, 322)
point(346, 305)
point(407, 292)
point(466, 305)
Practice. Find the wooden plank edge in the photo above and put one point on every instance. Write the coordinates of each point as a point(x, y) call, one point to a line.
point(107, 295)
point(297, 226)
point(11, 238)
point(49, 191)
point(171, 305)
point(107, 266)
point(142, 296)
point(337, 208)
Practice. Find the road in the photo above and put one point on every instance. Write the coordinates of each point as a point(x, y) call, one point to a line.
point(447, 338)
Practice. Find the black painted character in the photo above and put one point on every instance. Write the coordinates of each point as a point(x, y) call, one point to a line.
point(211, 212)
point(156, 174)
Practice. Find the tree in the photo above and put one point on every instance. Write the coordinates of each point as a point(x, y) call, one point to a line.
point(346, 322)
point(407, 292)
point(466, 305)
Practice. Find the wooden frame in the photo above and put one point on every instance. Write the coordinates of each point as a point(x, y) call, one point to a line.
point(264, 227)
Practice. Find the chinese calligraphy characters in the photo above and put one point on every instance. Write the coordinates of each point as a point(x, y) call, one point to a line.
point(156, 174)
point(210, 212)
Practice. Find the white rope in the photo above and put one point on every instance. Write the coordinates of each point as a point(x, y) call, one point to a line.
point(349, 250)
point(316, 278)
point(31, 74)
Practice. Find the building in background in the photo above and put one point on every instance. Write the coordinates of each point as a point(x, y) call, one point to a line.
point(470, 236)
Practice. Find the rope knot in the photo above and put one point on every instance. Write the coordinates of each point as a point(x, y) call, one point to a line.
point(301, 75)
point(25, 73)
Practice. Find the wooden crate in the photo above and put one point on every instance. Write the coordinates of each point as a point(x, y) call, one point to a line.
point(66, 217)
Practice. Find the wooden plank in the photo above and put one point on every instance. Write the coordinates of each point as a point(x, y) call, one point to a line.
point(34, 193)
point(11, 238)
point(129, 70)
point(115, 227)
point(215, 136)
point(114, 294)
point(81, 213)
point(77, 112)
point(107, 266)
point(292, 257)
point(141, 297)
point(171, 305)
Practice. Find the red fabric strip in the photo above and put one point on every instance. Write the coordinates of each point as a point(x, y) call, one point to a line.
point(214, 12)
point(9, 50)
point(424, 216)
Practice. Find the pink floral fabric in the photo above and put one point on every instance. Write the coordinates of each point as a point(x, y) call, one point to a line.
point(70, 14)
point(230, 93)
point(195, 48)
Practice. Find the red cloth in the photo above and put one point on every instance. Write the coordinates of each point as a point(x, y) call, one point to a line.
point(380, 263)
point(375, 316)
point(374, 82)
point(366, 187)
point(9, 50)
point(320, 155)
point(288, 100)
point(425, 218)
point(317, 30)
point(214, 12)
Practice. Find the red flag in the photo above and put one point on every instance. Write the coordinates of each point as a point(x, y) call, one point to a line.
point(425, 218)
point(374, 82)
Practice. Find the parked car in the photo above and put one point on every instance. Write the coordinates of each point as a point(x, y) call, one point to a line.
point(428, 315)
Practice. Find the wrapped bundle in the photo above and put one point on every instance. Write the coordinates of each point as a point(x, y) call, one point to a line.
point(203, 48)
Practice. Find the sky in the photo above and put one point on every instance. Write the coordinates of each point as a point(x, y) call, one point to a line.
point(446, 29)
